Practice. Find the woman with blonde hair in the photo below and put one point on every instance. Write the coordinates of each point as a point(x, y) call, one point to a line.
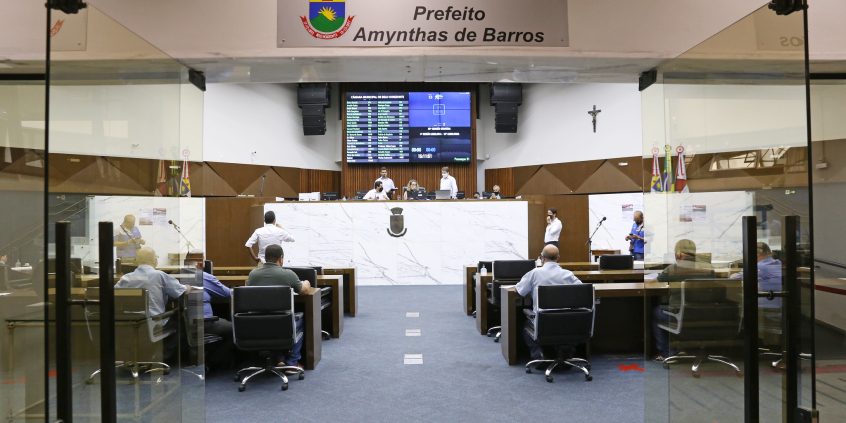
point(411, 188)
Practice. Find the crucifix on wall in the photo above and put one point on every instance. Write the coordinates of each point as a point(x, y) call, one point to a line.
point(593, 113)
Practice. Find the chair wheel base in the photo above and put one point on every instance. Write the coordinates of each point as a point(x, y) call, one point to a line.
point(302, 376)
point(89, 381)
point(326, 337)
point(528, 370)
point(739, 374)
point(241, 388)
point(284, 386)
point(496, 339)
point(237, 378)
point(549, 379)
point(490, 334)
point(588, 378)
point(696, 375)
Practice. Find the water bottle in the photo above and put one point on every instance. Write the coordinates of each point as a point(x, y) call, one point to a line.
point(18, 263)
point(484, 270)
point(539, 262)
point(352, 264)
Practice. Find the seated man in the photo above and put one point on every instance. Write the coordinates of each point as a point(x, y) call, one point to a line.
point(377, 193)
point(769, 279)
point(272, 274)
point(549, 274)
point(220, 354)
point(159, 286)
point(684, 268)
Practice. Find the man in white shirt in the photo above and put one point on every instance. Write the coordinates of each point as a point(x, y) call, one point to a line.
point(271, 233)
point(548, 274)
point(553, 228)
point(448, 182)
point(387, 183)
point(159, 286)
point(377, 193)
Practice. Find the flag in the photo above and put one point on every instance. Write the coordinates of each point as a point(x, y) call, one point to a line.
point(656, 172)
point(173, 183)
point(185, 187)
point(669, 176)
point(161, 181)
point(681, 173)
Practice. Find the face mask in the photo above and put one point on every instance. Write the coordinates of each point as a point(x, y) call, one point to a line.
point(380, 189)
point(444, 175)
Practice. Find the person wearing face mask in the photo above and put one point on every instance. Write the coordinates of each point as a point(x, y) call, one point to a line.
point(387, 183)
point(553, 227)
point(412, 191)
point(448, 182)
point(377, 193)
point(495, 195)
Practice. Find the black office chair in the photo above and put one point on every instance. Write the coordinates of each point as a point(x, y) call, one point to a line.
point(329, 196)
point(616, 262)
point(459, 195)
point(208, 267)
point(191, 308)
point(310, 274)
point(130, 303)
point(487, 194)
point(505, 272)
point(360, 194)
point(263, 320)
point(706, 318)
point(564, 319)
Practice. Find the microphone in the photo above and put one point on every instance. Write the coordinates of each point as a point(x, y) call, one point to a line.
point(603, 219)
point(261, 190)
point(174, 224)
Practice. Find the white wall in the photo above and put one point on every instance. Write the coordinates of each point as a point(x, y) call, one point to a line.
point(554, 126)
point(264, 118)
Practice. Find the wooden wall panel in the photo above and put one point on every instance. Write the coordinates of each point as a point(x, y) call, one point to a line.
point(314, 180)
point(504, 178)
point(228, 227)
point(587, 177)
point(573, 213)
point(361, 176)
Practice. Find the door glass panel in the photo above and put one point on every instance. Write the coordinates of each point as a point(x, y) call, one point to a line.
point(125, 127)
point(828, 133)
point(22, 106)
point(731, 115)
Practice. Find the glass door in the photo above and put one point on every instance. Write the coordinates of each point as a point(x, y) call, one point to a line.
point(125, 134)
point(23, 375)
point(728, 217)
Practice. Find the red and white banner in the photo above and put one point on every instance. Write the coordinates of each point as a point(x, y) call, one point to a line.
point(323, 36)
point(681, 172)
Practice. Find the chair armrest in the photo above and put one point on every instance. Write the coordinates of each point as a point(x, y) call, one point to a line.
point(211, 319)
point(163, 315)
point(529, 313)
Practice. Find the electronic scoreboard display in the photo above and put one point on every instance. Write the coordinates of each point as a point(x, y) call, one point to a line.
point(408, 127)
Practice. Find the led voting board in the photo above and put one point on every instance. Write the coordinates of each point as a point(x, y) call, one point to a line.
point(408, 127)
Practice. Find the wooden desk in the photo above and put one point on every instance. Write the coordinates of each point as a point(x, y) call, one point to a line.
point(606, 276)
point(313, 343)
point(597, 253)
point(335, 326)
point(469, 299)
point(511, 323)
point(337, 283)
point(482, 303)
point(350, 287)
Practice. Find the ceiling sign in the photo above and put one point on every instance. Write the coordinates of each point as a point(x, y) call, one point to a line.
point(406, 23)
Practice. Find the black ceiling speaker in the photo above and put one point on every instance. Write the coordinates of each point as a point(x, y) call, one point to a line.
point(505, 98)
point(313, 99)
point(646, 79)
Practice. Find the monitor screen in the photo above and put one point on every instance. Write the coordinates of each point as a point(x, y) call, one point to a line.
point(404, 127)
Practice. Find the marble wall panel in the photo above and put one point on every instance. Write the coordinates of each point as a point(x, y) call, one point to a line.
point(612, 234)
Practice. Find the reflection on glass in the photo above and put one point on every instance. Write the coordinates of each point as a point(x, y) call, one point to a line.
point(735, 107)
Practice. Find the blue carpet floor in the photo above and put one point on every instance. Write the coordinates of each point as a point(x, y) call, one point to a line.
point(464, 377)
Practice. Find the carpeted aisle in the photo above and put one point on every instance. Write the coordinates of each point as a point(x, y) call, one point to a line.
point(463, 377)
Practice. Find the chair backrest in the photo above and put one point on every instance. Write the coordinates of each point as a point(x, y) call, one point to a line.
point(263, 317)
point(191, 305)
point(306, 273)
point(565, 313)
point(360, 194)
point(616, 262)
point(262, 299)
point(459, 195)
point(486, 264)
point(565, 296)
point(208, 267)
point(512, 269)
point(487, 194)
point(708, 312)
point(329, 196)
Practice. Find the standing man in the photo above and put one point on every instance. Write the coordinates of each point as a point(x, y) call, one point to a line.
point(128, 239)
point(635, 237)
point(377, 193)
point(221, 354)
point(271, 233)
point(272, 274)
point(548, 274)
point(448, 182)
point(387, 183)
point(553, 228)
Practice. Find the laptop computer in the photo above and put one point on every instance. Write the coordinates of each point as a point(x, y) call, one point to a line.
point(442, 194)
